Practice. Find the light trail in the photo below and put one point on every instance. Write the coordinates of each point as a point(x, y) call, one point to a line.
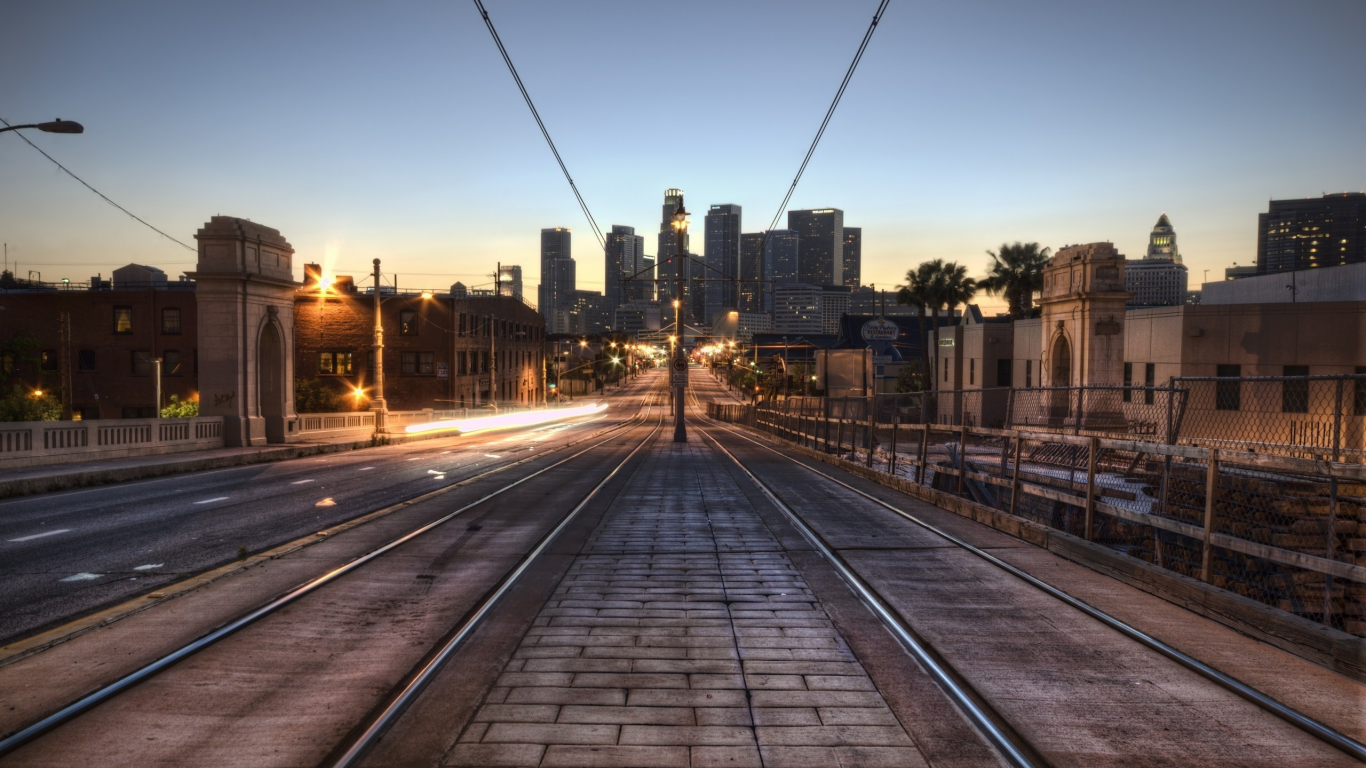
point(527, 419)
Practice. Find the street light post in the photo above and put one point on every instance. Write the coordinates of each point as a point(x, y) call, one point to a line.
point(377, 404)
point(680, 359)
point(56, 126)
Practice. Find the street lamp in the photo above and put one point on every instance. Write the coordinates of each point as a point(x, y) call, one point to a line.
point(56, 126)
point(377, 403)
point(680, 360)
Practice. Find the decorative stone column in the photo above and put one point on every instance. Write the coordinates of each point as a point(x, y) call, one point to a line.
point(1083, 336)
point(244, 288)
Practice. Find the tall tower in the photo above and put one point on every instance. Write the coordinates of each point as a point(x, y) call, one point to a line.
point(624, 256)
point(822, 244)
point(667, 244)
point(1162, 241)
point(557, 272)
point(754, 269)
point(722, 256)
point(853, 256)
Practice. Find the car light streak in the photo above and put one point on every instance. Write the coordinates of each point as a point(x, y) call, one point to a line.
point(527, 419)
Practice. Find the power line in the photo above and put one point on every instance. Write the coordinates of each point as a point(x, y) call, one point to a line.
point(96, 191)
point(527, 96)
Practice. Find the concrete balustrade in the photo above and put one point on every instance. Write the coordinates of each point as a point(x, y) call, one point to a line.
point(38, 443)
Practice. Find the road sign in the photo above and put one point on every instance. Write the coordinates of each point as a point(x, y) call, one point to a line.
point(680, 364)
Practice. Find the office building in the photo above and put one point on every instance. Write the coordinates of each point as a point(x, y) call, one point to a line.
point(878, 302)
point(834, 305)
point(624, 253)
point(1316, 232)
point(782, 257)
point(1159, 279)
point(853, 256)
point(1236, 272)
point(510, 280)
point(557, 271)
point(583, 312)
point(722, 256)
point(643, 287)
point(754, 270)
point(821, 235)
point(797, 309)
point(668, 245)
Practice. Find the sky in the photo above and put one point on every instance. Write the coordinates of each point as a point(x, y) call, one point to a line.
point(393, 129)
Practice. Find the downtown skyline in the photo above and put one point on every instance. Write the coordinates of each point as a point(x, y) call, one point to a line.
point(425, 157)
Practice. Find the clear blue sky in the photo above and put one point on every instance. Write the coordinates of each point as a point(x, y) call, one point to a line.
point(393, 129)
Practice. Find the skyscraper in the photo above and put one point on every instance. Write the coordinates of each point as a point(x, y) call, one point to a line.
point(1318, 232)
point(644, 287)
point(754, 269)
point(722, 257)
point(822, 244)
point(668, 245)
point(853, 256)
point(510, 280)
point(1162, 241)
point(624, 253)
point(557, 272)
point(783, 257)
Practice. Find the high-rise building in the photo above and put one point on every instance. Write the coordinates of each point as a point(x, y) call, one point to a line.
point(1158, 279)
point(1316, 232)
point(754, 270)
point(668, 245)
point(582, 312)
point(643, 288)
point(722, 257)
point(557, 272)
point(853, 256)
point(624, 253)
point(822, 244)
point(510, 280)
point(797, 309)
point(834, 305)
point(782, 257)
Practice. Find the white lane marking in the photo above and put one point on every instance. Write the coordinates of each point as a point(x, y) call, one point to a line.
point(210, 501)
point(493, 456)
point(301, 482)
point(439, 477)
point(83, 577)
point(435, 472)
point(416, 458)
point(41, 535)
point(362, 469)
point(148, 567)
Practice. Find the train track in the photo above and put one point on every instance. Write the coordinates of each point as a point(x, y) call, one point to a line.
point(370, 731)
point(1004, 737)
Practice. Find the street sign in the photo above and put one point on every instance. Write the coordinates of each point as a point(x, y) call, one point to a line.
point(880, 329)
point(442, 371)
point(679, 368)
point(680, 364)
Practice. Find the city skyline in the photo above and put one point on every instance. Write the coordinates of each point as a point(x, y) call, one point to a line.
point(437, 205)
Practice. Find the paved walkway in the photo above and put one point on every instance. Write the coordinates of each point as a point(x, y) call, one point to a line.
point(683, 636)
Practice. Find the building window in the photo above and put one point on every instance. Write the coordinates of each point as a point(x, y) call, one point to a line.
point(418, 363)
point(47, 360)
point(123, 320)
point(334, 363)
point(946, 369)
point(1128, 382)
point(972, 370)
point(1228, 395)
point(1149, 380)
point(170, 321)
point(1029, 374)
point(1003, 373)
point(85, 360)
point(170, 363)
point(1295, 392)
point(142, 363)
point(407, 323)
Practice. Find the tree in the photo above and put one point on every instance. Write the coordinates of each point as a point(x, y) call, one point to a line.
point(955, 286)
point(936, 285)
point(1016, 272)
point(20, 404)
point(921, 292)
point(313, 396)
point(181, 409)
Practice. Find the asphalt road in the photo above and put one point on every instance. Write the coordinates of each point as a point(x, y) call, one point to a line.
point(66, 554)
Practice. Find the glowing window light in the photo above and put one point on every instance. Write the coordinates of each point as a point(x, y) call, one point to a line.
point(503, 421)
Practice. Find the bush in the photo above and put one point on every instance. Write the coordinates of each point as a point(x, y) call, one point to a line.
point(22, 405)
point(181, 409)
point(313, 396)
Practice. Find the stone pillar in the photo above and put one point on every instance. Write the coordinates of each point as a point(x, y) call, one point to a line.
point(1082, 340)
point(245, 293)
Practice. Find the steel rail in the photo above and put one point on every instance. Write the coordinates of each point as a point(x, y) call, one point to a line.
point(399, 703)
point(1300, 720)
point(1018, 755)
point(104, 693)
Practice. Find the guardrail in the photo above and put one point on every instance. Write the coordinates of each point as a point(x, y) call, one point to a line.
point(37, 443)
point(1285, 531)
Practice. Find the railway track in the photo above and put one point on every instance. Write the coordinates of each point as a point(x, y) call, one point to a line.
point(1005, 737)
point(368, 732)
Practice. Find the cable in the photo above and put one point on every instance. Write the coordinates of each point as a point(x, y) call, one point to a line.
point(597, 231)
point(96, 191)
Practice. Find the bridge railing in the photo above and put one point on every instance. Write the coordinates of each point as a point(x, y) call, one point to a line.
point(37, 443)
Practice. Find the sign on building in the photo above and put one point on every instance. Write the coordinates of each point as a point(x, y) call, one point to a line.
point(442, 371)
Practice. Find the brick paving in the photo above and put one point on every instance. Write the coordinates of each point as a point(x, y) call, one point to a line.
point(683, 636)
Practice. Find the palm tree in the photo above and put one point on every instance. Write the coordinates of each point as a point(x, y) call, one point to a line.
point(921, 292)
point(955, 286)
point(1016, 272)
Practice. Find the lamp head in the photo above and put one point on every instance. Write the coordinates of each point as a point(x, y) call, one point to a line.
point(61, 126)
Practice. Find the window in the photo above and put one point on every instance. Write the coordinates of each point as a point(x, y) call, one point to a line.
point(139, 412)
point(1228, 395)
point(407, 323)
point(48, 360)
point(462, 324)
point(1029, 373)
point(170, 363)
point(418, 363)
point(1128, 382)
point(1295, 393)
point(85, 360)
point(946, 369)
point(972, 370)
point(334, 363)
point(1003, 373)
point(142, 365)
point(123, 320)
point(170, 321)
point(1149, 380)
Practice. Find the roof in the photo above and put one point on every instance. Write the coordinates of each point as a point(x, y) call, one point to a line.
point(1163, 221)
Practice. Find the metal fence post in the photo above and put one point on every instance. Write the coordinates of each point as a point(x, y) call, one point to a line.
point(1015, 473)
point(896, 427)
point(1010, 410)
point(924, 454)
point(872, 411)
point(962, 455)
point(1171, 396)
point(1337, 422)
point(1211, 492)
point(839, 431)
point(1332, 541)
point(1092, 450)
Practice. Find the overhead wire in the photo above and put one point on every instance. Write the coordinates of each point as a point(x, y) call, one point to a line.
point(103, 196)
point(597, 231)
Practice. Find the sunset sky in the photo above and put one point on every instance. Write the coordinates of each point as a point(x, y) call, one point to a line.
point(393, 130)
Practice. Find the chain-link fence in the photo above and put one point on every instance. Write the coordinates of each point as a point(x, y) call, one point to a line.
point(1285, 531)
point(1321, 417)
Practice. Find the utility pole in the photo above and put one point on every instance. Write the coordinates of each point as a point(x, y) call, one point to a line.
point(156, 370)
point(493, 366)
point(377, 404)
point(680, 359)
